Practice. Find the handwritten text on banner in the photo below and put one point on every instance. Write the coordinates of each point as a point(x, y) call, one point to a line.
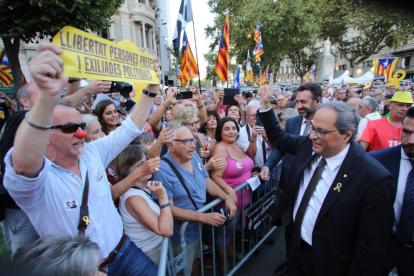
point(89, 56)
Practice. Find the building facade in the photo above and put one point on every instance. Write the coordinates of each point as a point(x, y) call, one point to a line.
point(143, 22)
point(405, 62)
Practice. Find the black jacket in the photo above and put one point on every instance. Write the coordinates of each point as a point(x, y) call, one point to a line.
point(353, 226)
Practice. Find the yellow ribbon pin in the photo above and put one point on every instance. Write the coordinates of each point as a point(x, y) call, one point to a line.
point(367, 85)
point(396, 80)
point(86, 219)
point(338, 187)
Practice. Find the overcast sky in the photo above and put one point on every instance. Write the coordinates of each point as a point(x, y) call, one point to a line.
point(202, 17)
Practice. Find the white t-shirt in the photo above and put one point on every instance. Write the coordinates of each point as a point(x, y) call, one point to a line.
point(143, 237)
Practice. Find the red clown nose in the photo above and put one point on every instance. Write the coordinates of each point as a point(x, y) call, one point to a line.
point(81, 134)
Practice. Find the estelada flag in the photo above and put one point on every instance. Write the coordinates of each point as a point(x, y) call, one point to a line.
point(392, 62)
point(310, 73)
point(257, 32)
point(223, 60)
point(258, 50)
point(6, 77)
point(189, 64)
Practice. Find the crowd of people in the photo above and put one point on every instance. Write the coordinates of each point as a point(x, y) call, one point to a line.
point(93, 181)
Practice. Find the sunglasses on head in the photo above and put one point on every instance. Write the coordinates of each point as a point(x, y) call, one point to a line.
point(70, 127)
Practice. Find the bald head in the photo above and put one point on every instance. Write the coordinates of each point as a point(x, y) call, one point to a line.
point(176, 107)
point(65, 114)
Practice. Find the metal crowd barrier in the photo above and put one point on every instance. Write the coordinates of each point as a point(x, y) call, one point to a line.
point(253, 216)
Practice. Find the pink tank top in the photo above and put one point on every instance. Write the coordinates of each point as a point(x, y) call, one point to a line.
point(236, 173)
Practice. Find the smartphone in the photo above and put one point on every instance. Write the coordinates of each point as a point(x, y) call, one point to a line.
point(214, 82)
point(229, 94)
point(184, 95)
point(258, 121)
point(226, 213)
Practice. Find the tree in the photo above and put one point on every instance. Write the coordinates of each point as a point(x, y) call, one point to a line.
point(372, 28)
point(28, 21)
point(288, 28)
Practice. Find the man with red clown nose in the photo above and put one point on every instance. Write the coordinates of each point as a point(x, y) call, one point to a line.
point(56, 165)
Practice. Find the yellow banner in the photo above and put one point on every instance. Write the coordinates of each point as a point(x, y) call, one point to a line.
point(92, 57)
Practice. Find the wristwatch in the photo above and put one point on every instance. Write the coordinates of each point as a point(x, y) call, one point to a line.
point(148, 93)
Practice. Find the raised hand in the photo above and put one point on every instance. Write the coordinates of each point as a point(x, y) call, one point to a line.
point(239, 99)
point(46, 69)
point(215, 163)
point(98, 86)
point(166, 136)
point(265, 92)
point(151, 166)
point(154, 87)
point(157, 188)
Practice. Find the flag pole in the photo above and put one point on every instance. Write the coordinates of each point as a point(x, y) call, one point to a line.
point(198, 69)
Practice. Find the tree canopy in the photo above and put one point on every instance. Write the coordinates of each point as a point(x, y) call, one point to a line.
point(296, 29)
point(37, 19)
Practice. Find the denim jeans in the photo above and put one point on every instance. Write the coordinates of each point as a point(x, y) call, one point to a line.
point(18, 231)
point(131, 261)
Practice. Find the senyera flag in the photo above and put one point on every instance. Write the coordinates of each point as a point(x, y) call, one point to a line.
point(258, 50)
point(189, 64)
point(223, 61)
point(257, 32)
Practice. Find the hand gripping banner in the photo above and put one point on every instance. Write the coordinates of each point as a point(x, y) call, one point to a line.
point(92, 57)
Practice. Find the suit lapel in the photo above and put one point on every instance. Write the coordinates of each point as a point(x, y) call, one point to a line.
point(342, 179)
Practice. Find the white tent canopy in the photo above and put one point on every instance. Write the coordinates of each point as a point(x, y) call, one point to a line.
point(344, 77)
point(368, 76)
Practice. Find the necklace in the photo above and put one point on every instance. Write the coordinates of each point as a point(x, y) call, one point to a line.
point(393, 130)
point(141, 189)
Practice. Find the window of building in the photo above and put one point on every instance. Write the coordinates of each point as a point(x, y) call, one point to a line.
point(367, 64)
point(142, 36)
point(147, 38)
point(407, 61)
point(105, 34)
point(141, 1)
point(342, 67)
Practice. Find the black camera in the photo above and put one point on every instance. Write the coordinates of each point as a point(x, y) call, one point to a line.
point(122, 87)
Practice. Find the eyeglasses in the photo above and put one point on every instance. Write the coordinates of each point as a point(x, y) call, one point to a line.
point(319, 132)
point(70, 127)
point(187, 142)
point(194, 123)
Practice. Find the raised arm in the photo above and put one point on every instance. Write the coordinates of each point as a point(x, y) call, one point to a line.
point(143, 108)
point(155, 120)
point(94, 87)
point(202, 112)
point(46, 69)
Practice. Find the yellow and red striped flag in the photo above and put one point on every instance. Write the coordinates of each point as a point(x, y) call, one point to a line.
point(257, 32)
point(189, 64)
point(6, 77)
point(223, 60)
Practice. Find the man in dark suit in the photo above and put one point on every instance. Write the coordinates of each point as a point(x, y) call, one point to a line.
point(342, 213)
point(399, 161)
point(308, 99)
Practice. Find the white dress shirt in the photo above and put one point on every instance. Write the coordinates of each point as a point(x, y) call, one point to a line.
point(405, 168)
point(44, 197)
point(328, 175)
point(303, 126)
point(244, 143)
point(364, 123)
